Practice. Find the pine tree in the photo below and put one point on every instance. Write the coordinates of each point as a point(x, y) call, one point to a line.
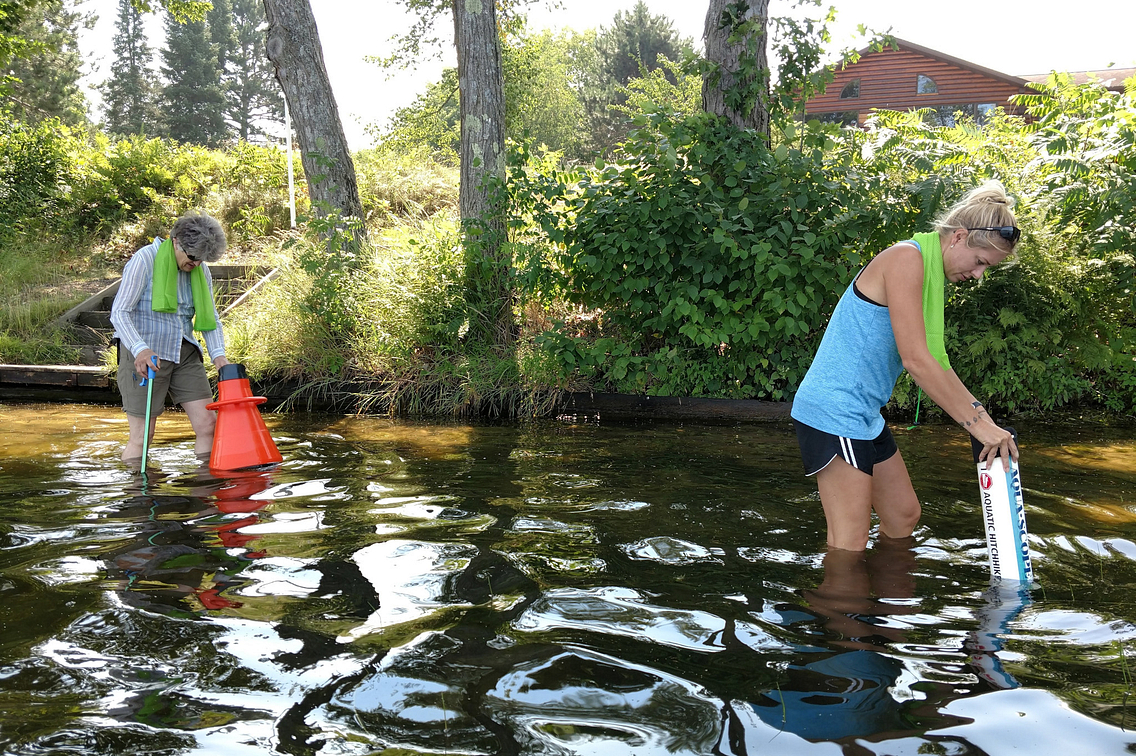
point(130, 94)
point(220, 23)
point(605, 61)
point(44, 83)
point(253, 96)
point(192, 102)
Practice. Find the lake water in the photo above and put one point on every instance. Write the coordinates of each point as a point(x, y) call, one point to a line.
point(552, 588)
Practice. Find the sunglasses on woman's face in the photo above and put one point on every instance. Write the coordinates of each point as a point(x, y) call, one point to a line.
point(190, 257)
point(1009, 233)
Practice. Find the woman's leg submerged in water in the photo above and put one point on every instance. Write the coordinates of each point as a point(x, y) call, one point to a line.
point(849, 495)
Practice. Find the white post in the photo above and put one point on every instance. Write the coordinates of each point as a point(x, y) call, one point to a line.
point(291, 179)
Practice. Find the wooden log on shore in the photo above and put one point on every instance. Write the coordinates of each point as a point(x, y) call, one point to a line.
point(630, 407)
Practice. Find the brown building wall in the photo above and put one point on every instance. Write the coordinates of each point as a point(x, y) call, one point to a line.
point(888, 80)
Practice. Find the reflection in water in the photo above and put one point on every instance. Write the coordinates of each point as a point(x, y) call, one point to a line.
point(542, 589)
point(188, 549)
point(845, 690)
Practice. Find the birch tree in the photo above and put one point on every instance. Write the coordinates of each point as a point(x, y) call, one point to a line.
point(294, 48)
point(735, 84)
point(481, 96)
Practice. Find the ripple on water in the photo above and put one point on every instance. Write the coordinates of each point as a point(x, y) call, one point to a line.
point(280, 576)
point(287, 522)
point(411, 581)
point(623, 612)
point(1072, 627)
point(582, 702)
point(413, 700)
point(427, 511)
point(667, 550)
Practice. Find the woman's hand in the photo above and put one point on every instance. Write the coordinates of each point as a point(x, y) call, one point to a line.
point(143, 361)
point(995, 442)
point(220, 362)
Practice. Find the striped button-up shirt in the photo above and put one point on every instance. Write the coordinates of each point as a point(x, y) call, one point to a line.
point(136, 324)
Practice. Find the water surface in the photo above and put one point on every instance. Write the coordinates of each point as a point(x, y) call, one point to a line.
point(555, 588)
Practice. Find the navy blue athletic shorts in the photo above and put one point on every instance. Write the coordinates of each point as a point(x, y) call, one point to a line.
point(818, 449)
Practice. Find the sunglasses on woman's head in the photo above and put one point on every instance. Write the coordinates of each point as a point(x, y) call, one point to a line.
point(1009, 233)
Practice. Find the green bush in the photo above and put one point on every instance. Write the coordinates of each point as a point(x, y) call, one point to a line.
point(706, 263)
point(34, 173)
point(714, 261)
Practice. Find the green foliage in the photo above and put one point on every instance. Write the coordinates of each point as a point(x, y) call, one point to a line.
point(540, 104)
point(705, 263)
point(130, 93)
point(606, 60)
point(429, 124)
point(55, 180)
point(192, 100)
point(403, 185)
point(33, 171)
point(403, 305)
point(1086, 165)
point(713, 261)
point(45, 82)
point(672, 87)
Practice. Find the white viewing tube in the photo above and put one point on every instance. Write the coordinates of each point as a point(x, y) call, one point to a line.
point(1004, 517)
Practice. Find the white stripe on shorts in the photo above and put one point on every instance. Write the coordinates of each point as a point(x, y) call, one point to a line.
point(849, 454)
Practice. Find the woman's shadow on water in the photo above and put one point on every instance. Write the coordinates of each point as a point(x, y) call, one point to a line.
point(841, 690)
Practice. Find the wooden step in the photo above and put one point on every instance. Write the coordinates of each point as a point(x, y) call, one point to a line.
point(85, 335)
point(94, 319)
point(91, 354)
point(55, 375)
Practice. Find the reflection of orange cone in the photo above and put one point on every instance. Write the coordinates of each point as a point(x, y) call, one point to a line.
point(241, 439)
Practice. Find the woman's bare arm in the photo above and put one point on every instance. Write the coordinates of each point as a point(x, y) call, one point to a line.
point(901, 269)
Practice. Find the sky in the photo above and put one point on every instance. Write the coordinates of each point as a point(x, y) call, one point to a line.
point(1011, 36)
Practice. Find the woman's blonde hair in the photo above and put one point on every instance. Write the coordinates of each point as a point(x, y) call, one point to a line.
point(985, 206)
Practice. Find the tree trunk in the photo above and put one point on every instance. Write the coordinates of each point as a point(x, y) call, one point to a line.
point(482, 101)
point(737, 85)
point(294, 49)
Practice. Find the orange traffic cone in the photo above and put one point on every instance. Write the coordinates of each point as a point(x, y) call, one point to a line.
point(241, 439)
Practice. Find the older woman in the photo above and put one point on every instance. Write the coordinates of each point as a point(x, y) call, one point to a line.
point(166, 294)
point(891, 319)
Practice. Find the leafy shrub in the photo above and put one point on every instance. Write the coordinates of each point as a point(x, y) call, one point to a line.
point(707, 264)
point(34, 172)
point(713, 260)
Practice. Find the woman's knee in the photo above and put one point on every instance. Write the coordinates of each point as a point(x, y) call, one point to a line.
point(898, 519)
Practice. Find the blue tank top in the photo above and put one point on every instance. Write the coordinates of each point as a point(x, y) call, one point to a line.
point(854, 371)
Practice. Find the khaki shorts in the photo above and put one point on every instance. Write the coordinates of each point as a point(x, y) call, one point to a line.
point(183, 381)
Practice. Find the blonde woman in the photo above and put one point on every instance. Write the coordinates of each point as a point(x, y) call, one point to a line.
point(890, 320)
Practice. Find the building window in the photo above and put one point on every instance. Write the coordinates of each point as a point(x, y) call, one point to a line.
point(947, 115)
point(926, 85)
point(844, 118)
point(851, 90)
point(944, 115)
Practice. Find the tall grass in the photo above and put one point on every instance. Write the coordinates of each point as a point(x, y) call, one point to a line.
point(39, 281)
point(395, 342)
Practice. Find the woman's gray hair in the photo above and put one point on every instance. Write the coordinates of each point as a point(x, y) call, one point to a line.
point(200, 236)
